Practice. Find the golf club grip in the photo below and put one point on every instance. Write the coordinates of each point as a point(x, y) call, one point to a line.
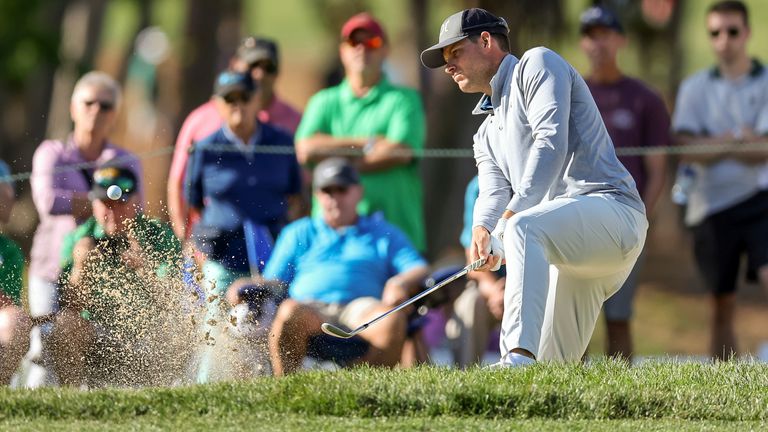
point(444, 282)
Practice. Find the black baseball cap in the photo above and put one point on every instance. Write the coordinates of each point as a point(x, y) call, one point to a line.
point(335, 172)
point(253, 49)
point(599, 16)
point(460, 26)
point(112, 174)
point(229, 82)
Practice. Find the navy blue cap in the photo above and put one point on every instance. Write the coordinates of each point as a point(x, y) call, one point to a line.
point(599, 16)
point(228, 82)
point(460, 26)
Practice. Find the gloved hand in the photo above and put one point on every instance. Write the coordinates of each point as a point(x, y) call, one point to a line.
point(497, 242)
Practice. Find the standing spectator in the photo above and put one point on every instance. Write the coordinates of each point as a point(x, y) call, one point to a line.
point(60, 184)
point(259, 57)
point(574, 226)
point(381, 122)
point(14, 322)
point(635, 116)
point(728, 202)
point(234, 187)
point(342, 268)
point(118, 296)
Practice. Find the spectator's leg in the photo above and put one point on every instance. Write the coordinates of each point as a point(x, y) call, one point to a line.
point(467, 330)
point(71, 338)
point(718, 248)
point(216, 279)
point(42, 296)
point(292, 327)
point(386, 337)
point(415, 350)
point(14, 340)
point(723, 335)
point(618, 312)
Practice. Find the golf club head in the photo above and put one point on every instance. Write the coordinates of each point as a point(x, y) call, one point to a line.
point(332, 330)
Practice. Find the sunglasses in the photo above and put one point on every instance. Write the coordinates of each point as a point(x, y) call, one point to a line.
point(372, 43)
point(265, 65)
point(235, 98)
point(333, 190)
point(103, 105)
point(731, 31)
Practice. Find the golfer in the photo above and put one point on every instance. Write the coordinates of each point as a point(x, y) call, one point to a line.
point(574, 227)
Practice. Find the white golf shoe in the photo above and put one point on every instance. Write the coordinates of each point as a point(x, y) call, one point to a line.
point(512, 360)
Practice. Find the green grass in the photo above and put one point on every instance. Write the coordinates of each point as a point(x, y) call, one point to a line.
point(605, 395)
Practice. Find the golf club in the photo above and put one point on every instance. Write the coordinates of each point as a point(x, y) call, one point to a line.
point(332, 330)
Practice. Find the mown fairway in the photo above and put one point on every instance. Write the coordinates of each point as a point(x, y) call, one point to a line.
point(604, 395)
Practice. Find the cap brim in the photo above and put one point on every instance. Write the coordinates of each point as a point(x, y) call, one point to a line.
point(432, 57)
point(256, 55)
point(224, 91)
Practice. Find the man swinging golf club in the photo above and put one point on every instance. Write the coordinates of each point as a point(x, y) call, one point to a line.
point(575, 225)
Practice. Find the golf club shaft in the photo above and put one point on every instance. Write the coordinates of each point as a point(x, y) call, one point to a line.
point(422, 294)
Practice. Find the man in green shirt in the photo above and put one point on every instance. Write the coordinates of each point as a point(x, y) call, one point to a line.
point(380, 124)
point(14, 322)
point(121, 275)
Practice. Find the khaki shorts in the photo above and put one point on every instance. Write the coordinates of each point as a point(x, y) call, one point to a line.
point(349, 314)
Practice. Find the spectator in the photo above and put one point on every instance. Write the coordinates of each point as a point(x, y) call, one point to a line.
point(342, 268)
point(544, 140)
point(480, 306)
point(235, 188)
point(14, 322)
point(117, 268)
point(382, 123)
point(60, 186)
point(728, 202)
point(259, 56)
point(635, 116)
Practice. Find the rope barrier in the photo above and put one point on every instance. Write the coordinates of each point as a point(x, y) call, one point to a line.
point(427, 153)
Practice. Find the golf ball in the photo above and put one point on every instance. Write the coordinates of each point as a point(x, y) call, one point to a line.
point(114, 192)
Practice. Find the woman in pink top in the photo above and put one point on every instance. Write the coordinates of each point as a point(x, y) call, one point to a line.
point(61, 173)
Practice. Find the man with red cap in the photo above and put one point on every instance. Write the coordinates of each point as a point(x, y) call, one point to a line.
point(380, 124)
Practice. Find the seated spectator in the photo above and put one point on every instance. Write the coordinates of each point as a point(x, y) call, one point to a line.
point(119, 306)
point(341, 268)
point(14, 322)
point(480, 307)
point(240, 193)
point(60, 186)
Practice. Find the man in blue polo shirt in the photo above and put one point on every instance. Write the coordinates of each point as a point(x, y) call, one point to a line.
point(242, 194)
point(342, 268)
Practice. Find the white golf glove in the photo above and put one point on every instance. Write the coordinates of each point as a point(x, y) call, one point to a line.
point(497, 242)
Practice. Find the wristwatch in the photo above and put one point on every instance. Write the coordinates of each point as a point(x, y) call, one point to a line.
point(369, 145)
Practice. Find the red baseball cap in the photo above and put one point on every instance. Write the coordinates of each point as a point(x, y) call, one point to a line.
point(362, 21)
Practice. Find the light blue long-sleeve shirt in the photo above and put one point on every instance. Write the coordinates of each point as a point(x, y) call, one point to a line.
point(543, 139)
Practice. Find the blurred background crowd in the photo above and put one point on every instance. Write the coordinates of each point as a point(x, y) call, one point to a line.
point(166, 57)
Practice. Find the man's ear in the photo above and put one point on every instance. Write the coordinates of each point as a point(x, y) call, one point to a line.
point(485, 39)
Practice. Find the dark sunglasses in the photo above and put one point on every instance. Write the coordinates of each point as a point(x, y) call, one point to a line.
point(374, 42)
point(265, 65)
point(332, 190)
point(732, 32)
point(103, 105)
point(235, 98)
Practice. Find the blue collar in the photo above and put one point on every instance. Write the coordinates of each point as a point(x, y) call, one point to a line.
point(488, 103)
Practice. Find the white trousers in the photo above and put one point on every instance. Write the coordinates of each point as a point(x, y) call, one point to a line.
point(564, 258)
